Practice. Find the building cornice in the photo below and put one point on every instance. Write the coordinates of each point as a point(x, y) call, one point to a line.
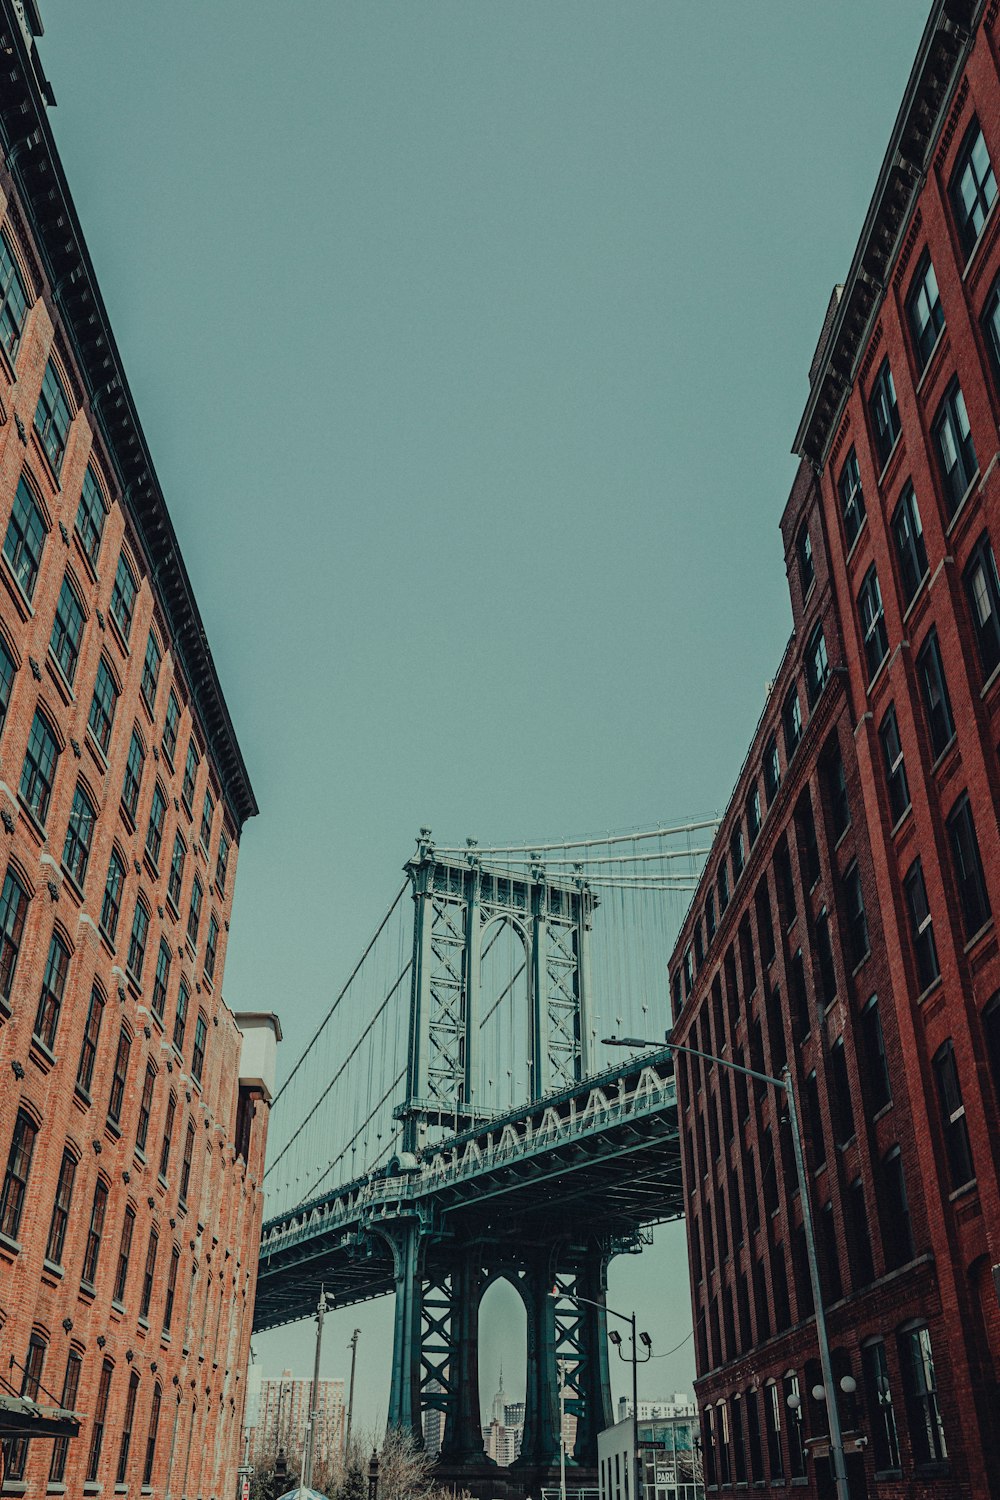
point(944, 47)
point(32, 159)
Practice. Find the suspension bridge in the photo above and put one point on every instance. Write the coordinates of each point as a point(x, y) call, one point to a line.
point(456, 1119)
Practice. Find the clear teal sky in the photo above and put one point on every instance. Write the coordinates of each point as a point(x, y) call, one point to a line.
point(470, 339)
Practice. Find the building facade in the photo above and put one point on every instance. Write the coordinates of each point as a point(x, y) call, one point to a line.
point(284, 1416)
point(669, 1459)
point(133, 1109)
point(844, 924)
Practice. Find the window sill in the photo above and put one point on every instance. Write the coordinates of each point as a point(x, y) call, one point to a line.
point(50, 1267)
point(990, 682)
point(41, 1055)
point(903, 818)
point(64, 686)
point(119, 634)
point(89, 563)
point(931, 358)
point(878, 673)
point(117, 1306)
point(974, 256)
point(21, 600)
point(925, 994)
point(74, 884)
point(889, 458)
point(861, 963)
point(881, 1112)
point(96, 749)
point(113, 1128)
point(142, 1322)
point(964, 1190)
point(50, 468)
point(152, 868)
point(139, 1155)
point(943, 754)
point(960, 507)
point(88, 1290)
point(12, 1247)
point(977, 935)
point(918, 593)
point(81, 1093)
point(37, 828)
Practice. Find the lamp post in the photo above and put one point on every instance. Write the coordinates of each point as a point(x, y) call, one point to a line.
point(615, 1339)
point(310, 1443)
point(353, 1346)
point(373, 1476)
point(826, 1364)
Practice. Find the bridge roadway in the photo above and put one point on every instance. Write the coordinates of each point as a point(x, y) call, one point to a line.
point(604, 1154)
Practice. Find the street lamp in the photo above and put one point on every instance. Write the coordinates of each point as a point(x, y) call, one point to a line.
point(826, 1365)
point(373, 1476)
point(614, 1337)
point(309, 1454)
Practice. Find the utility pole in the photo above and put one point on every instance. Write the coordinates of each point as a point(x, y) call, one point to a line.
point(562, 1429)
point(353, 1346)
point(310, 1443)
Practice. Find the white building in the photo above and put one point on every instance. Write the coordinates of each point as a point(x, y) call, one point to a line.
point(283, 1417)
point(668, 1447)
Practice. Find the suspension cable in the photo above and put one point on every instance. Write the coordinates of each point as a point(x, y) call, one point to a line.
point(614, 838)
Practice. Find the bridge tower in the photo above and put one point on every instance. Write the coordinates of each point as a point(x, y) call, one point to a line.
point(455, 904)
point(439, 1283)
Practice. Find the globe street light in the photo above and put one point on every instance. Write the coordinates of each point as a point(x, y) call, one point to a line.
point(784, 1083)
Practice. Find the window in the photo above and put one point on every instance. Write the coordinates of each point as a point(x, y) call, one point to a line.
point(968, 867)
point(953, 1121)
point(244, 1126)
point(817, 665)
point(60, 1209)
point(836, 789)
point(222, 864)
point(793, 1404)
point(90, 517)
point(710, 925)
point(884, 413)
point(920, 1393)
point(100, 1417)
point(91, 1036)
point(137, 942)
point(124, 1254)
point(190, 773)
point(722, 885)
point(145, 1107)
point(180, 1018)
point(804, 552)
point(908, 535)
point(814, 1119)
point(736, 852)
point(79, 833)
point(805, 830)
point(791, 720)
point(983, 588)
point(852, 500)
point(123, 597)
point(857, 922)
point(921, 925)
point(198, 1050)
point(170, 727)
point(897, 1232)
point(127, 1425)
point(15, 1182)
point(53, 989)
point(133, 775)
point(176, 871)
point(161, 980)
point(895, 769)
point(154, 833)
point(194, 912)
point(876, 1070)
point(119, 1077)
point(16, 1449)
point(186, 1160)
point(872, 617)
point(154, 1424)
point(972, 188)
point(753, 1436)
point(52, 417)
point(151, 672)
point(13, 301)
point(7, 674)
point(211, 947)
point(991, 1029)
point(112, 900)
point(955, 450)
point(753, 816)
point(824, 956)
point(149, 1274)
point(39, 769)
point(13, 906)
point(991, 325)
point(934, 689)
point(772, 770)
point(25, 539)
point(95, 1233)
point(207, 814)
point(924, 310)
point(71, 1386)
point(67, 630)
point(772, 1420)
point(103, 705)
point(885, 1439)
point(168, 1131)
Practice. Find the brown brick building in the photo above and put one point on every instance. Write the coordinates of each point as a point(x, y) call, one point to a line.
point(132, 1116)
point(845, 920)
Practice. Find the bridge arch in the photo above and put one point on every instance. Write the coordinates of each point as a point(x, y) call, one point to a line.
point(504, 1062)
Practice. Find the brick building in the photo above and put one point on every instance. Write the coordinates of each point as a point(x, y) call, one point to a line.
point(131, 1114)
point(844, 923)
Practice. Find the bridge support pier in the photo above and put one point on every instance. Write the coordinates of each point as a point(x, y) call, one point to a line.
point(404, 1392)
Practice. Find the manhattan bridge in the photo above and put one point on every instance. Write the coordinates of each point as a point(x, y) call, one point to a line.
point(456, 1119)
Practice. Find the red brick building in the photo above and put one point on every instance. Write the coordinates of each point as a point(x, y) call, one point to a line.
point(845, 920)
point(132, 1116)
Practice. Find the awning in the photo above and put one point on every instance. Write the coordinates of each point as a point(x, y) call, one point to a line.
point(22, 1417)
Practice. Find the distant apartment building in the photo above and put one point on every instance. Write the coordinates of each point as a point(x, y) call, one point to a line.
point(134, 1108)
point(845, 924)
point(669, 1453)
point(284, 1411)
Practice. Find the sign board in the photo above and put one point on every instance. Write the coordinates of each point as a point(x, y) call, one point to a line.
point(245, 1490)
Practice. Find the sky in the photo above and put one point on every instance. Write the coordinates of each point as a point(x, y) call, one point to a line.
point(470, 339)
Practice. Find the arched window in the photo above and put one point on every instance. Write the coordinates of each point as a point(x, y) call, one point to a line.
point(123, 597)
point(154, 833)
point(133, 775)
point(151, 671)
point(61, 1207)
point(90, 516)
point(25, 539)
point(39, 769)
point(100, 1418)
point(154, 1424)
point(79, 835)
point(103, 705)
point(53, 989)
point(67, 630)
point(137, 941)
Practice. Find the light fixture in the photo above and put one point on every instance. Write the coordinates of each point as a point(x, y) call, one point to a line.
point(848, 1385)
point(794, 1401)
point(645, 1339)
point(614, 1337)
point(818, 1393)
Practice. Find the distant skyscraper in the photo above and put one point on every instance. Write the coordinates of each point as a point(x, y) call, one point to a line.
point(284, 1415)
point(502, 1438)
point(433, 1422)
